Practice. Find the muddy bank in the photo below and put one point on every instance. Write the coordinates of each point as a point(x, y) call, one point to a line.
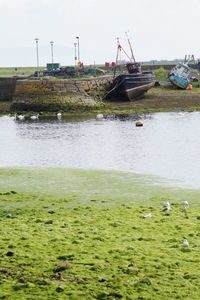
point(156, 100)
point(159, 100)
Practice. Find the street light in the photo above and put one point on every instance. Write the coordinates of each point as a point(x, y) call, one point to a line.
point(78, 48)
point(52, 53)
point(37, 40)
point(75, 57)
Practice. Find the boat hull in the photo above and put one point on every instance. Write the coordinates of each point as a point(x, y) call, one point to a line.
point(138, 92)
point(131, 87)
point(178, 82)
point(179, 75)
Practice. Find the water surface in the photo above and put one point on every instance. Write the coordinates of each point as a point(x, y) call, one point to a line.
point(167, 145)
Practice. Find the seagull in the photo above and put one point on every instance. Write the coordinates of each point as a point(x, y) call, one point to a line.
point(36, 117)
point(20, 117)
point(185, 243)
point(166, 209)
point(186, 205)
point(166, 206)
point(99, 117)
point(147, 216)
point(14, 117)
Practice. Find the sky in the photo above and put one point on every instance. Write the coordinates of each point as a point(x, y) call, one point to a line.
point(158, 29)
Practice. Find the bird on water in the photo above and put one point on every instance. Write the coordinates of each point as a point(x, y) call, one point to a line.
point(34, 117)
point(20, 117)
point(99, 116)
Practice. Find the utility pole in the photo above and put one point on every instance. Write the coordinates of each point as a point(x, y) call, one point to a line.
point(51, 43)
point(75, 56)
point(78, 48)
point(37, 40)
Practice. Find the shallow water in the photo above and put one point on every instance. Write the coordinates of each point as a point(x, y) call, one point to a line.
point(167, 145)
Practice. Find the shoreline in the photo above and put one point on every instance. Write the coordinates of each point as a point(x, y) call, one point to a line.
point(156, 100)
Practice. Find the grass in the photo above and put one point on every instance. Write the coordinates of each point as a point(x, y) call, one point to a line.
point(20, 71)
point(76, 234)
point(161, 74)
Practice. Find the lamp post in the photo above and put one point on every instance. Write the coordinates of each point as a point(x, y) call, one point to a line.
point(51, 43)
point(78, 48)
point(75, 57)
point(37, 40)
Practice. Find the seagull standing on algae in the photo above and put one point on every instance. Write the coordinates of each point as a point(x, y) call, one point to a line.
point(166, 207)
point(186, 205)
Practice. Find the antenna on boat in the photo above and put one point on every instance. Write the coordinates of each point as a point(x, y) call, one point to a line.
point(118, 51)
point(130, 46)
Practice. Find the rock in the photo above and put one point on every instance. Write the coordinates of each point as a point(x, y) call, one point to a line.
point(139, 123)
point(131, 269)
point(21, 280)
point(43, 281)
point(65, 266)
point(13, 192)
point(9, 216)
point(60, 289)
point(157, 83)
point(10, 253)
point(49, 222)
point(58, 276)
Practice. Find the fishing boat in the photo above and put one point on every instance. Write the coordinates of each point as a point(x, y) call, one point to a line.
point(134, 83)
point(179, 76)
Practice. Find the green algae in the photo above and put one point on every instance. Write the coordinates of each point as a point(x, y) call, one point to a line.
point(94, 221)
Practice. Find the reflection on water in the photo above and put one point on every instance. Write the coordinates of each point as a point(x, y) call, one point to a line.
point(168, 144)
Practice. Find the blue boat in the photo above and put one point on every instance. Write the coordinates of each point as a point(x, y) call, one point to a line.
point(179, 76)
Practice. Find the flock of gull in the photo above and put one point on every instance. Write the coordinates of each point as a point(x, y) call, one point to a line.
point(99, 117)
point(166, 209)
point(21, 117)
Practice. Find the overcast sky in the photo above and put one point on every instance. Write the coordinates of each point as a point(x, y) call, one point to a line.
point(159, 29)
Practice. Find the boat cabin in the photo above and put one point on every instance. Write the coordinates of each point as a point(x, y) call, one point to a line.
point(181, 70)
point(134, 68)
point(180, 75)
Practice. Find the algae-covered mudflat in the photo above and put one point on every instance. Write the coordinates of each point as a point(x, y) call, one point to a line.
point(76, 234)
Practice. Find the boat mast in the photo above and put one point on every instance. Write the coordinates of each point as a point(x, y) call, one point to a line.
point(133, 57)
point(119, 54)
point(118, 51)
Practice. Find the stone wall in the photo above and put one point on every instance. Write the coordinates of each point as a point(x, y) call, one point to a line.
point(165, 67)
point(7, 88)
point(51, 95)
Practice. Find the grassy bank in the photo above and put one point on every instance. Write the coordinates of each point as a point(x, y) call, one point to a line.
point(72, 234)
point(20, 71)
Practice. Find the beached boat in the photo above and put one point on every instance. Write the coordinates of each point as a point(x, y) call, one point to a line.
point(131, 86)
point(179, 75)
point(134, 83)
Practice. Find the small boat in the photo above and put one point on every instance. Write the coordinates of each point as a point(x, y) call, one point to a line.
point(133, 84)
point(179, 75)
